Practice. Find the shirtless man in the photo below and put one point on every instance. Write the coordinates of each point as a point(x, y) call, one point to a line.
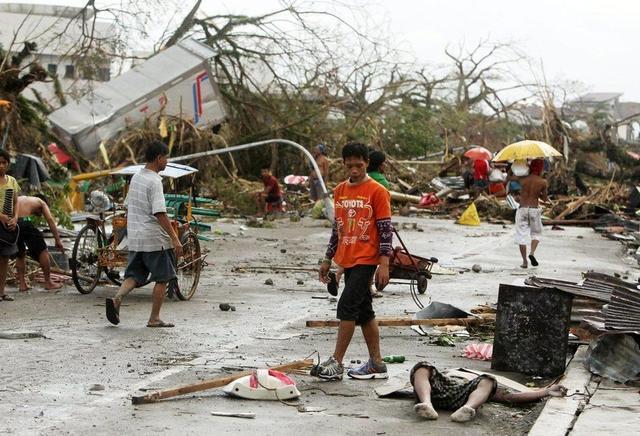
point(528, 215)
point(32, 239)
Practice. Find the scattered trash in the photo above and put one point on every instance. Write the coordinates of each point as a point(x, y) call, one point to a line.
point(478, 351)
point(300, 282)
point(224, 307)
point(310, 409)
point(21, 335)
point(444, 340)
point(470, 216)
point(394, 359)
point(97, 387)
point(246, 415)
point(263, 384)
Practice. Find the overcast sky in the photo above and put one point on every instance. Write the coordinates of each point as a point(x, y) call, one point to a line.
point(592, 41)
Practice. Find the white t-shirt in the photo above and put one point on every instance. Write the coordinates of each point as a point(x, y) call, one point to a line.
point(145, 198)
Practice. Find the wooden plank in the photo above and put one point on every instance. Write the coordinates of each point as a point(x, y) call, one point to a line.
point(400, 322)
point(398, 196)
point(568, 222)
point(420, 162)
point(573, 206)
point(559, 414)
point(404, 184)
point(211, 384)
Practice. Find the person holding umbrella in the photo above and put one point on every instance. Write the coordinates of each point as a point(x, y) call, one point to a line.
point(529, 215)
point(533, 191)
point(480, 157)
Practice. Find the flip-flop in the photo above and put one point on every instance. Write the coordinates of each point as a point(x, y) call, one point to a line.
point(533, 260)
point(113, 314)
point(332, 286)
point(6, 297)
point(160, 325)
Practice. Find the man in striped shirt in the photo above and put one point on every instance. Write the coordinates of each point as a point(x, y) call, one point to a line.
point(153, 244)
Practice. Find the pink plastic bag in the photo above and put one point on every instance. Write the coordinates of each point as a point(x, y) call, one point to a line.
point(478, 351)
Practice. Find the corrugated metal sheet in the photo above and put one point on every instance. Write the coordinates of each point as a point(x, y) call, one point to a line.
point(615, 356)
point(622, 311)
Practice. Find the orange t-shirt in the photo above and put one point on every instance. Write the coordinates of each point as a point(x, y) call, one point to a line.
point(358, 207)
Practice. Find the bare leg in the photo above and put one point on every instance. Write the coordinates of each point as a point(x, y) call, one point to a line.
point(481, 394)
point(159, 291)
point(127, 286)
point(523, 253)
point(45, 264)
point(372, 338)
point(261, 204)
point(534, 245)
point(4, 261)
point(422, 389)
point(21, 270)
point(345, 333)
point(476, 399)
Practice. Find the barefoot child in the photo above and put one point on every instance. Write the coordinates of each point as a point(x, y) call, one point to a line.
point(32, 239)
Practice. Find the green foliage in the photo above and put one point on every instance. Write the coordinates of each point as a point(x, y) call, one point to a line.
point(413, 128)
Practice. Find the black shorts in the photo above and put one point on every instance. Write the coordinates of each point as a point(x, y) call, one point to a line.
point(449, 393)
point(356, 302)
point(151, 266)
point(31, 239)
point(273, 199)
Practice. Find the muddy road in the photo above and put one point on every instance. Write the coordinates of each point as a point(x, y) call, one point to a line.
point(79, 377)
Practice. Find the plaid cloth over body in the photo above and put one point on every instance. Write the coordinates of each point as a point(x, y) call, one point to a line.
point(449, 393)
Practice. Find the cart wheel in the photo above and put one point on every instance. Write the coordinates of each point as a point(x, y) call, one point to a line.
point(189, 267)
point(422, 283)
point(85, 270)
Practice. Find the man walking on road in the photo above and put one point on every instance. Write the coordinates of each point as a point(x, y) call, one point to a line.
point(529, 215)
point(32, 239)
point(153, 244)
point(360, 242)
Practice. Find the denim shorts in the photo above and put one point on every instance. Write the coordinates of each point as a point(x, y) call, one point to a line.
point(151, 266)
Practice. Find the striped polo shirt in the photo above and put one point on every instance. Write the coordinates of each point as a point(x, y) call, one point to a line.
point(145, 198)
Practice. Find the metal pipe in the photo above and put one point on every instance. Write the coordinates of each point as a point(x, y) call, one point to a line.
point(328, 204)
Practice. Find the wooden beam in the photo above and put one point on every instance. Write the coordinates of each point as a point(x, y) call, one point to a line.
point(398, 196)
point(420, 162)
point(212, 383)
point(588, 223)
point(399, 322)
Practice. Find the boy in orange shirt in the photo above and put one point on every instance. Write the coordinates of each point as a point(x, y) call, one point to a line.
point(360, 242)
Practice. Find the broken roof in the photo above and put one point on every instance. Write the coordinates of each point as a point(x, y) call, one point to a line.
point(56, 29)
point(597, 97)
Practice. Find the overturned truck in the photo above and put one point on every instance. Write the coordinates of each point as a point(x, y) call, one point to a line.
point(176, 81)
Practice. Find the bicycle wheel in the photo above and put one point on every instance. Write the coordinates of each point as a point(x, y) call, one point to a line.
point(189, 267)
point(85, 270)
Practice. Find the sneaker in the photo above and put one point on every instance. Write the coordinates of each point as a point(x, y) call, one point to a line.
point(328, 370)
point(369, 370)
